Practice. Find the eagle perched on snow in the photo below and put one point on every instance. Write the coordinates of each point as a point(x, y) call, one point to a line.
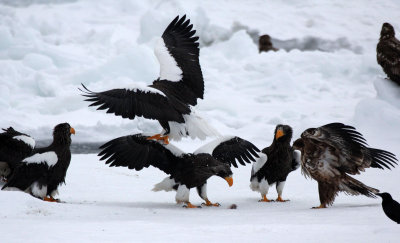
point(170, 98)
point(275, 164)
point(330, 153)
point(185, 170)
point(45, 169)
point(388, 53)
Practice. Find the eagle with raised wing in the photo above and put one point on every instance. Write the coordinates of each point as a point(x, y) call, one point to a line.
point(185, 170)
point(170, 98)
point(333, 152)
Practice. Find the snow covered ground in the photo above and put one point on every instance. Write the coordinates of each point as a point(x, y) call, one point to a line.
point(47, 48)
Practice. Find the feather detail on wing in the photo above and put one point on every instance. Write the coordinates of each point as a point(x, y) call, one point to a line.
point(178, 54)
point(146, 102)
point(137, 152)
point(231, 149)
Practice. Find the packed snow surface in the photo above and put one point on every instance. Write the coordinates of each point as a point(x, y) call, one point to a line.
point(325, 71)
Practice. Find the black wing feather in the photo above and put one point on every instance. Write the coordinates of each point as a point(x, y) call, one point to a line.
point(183, 46)
point(136, 152)
point(235, 149)
point(12, 151)
point(132, 103)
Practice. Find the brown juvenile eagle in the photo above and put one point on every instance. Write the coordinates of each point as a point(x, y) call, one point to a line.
point(388, 53)
point(331, 152)
point(265, 44)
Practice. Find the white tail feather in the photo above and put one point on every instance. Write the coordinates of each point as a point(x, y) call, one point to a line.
point(194, 126)
point(165, 185)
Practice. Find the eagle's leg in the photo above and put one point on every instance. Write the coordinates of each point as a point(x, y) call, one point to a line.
point(182, 196)
point(265, 199)
point(202, 191)
point(279, 189)
point(159, 137)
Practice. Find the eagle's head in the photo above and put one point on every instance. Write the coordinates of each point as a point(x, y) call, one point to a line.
point(387, 31)
point(298, 144)
point(62, 133)
point(283, 133)
point(311, 132)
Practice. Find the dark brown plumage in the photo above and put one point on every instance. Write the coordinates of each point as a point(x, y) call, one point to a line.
point(388, 53)
point(265, 44)
point(331, 152)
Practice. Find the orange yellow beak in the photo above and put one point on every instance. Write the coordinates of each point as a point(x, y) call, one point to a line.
point(229, 180)
point(72, 130)
point(279, 133)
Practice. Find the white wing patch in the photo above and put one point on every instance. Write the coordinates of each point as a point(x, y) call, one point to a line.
point(259, 163)
point(209, 147)
point(26, 139)
point(169, 68)
point(50, 158)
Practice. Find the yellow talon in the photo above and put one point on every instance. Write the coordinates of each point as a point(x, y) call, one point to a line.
point(265, 199)
point(320, 206)
point(208, 204)
point(279, 199)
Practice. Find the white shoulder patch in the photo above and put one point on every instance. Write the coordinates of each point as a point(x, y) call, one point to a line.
point(259, 163)
point(169, 68)
point(26, 139)
point(209, 147)
point(50, 158)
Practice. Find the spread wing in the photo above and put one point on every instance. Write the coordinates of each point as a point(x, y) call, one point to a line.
point(15, 146)
point(178, 54)
point(343, 148)
point(144, 102)
point(229, 149)
point(136, 152)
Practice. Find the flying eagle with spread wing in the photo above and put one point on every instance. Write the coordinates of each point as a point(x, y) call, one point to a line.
point(333, 152)
point(170, 98)
point(388, 53)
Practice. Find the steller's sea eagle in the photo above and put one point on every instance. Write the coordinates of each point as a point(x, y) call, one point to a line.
point(186, 170)
point(41, 173)
point(275, 164)
point(170, 98)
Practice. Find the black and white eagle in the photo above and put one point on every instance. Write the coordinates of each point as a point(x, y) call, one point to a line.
point(41, 173)
point(170, 98)
point(333, 152)
point(388, 53)
point(275, 164)
point(186, 170)
point(14, 147)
